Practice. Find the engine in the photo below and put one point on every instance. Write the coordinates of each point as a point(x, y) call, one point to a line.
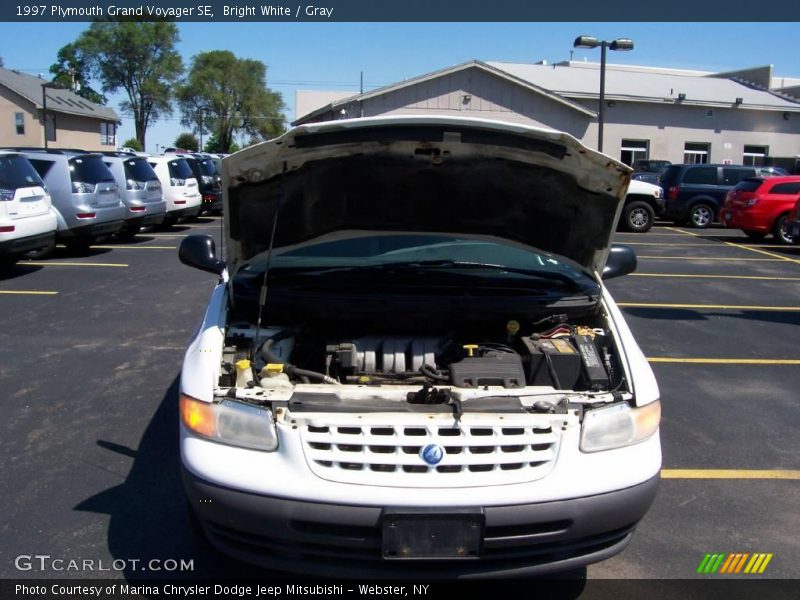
point(565, 357)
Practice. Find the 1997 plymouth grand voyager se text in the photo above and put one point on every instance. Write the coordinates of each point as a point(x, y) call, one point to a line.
point(410, 364)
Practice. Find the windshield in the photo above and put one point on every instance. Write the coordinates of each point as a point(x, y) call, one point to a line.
point(207, 167)
point(139, 169)
point(180, 169)
point(89, 169)
point(423, 251)
point(16, 172)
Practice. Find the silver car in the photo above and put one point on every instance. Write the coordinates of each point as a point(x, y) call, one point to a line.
point(85, 195)
point(140, 190)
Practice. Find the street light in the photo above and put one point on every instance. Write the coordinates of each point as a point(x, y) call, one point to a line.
point(586, 41)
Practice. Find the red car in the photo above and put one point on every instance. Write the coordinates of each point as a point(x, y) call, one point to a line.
point(761, 206)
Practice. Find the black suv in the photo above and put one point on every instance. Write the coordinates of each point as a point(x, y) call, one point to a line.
point(695, 193)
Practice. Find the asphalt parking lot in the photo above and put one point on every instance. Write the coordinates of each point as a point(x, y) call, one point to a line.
point(92, 346)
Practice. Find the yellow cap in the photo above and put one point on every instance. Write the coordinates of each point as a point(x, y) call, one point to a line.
point(242, 365)
point(274, 368)
point(512, 327)
point(470, 348)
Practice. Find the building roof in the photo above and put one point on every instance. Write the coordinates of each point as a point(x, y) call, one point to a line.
point(307, 101)
point(640, 85)
point(476, 64)
point(60, 101)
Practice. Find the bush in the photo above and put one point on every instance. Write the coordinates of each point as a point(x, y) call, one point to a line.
point(133, 144)
point(187, 141)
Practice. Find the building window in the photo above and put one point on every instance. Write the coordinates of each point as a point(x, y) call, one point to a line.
point(633, 150)
point(696, 153)
point(19, 123)
point(755, 155)
point(108, 134)
point(50, 127)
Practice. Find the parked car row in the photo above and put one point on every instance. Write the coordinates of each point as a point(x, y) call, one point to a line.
point(75, 197)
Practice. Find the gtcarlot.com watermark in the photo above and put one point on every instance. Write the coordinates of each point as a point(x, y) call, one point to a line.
point(48, 563)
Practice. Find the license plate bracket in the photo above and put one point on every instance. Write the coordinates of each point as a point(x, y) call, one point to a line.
point(426, 534)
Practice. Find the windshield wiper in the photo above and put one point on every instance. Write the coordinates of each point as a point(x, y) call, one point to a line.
point(439, 264)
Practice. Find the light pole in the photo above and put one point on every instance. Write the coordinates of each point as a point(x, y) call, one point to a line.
point(585, 41)
point(45, 85)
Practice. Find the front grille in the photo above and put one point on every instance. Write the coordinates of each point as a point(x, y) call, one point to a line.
point(478, 450)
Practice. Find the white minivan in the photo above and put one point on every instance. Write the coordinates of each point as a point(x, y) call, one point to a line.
point(410, 365)
point(27, 219)
point(179, 188)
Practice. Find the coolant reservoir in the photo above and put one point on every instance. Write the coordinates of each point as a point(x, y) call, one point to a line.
point(273, 378)
point(244, 374)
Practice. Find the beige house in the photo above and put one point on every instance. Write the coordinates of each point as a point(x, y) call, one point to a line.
point(738, 117)
point(72, 121)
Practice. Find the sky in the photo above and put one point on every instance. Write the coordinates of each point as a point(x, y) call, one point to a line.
point(331, 56)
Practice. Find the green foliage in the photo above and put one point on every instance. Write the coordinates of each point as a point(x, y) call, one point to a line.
point(187, 141)
point(224, 95)
point(138, 57)
point(72, 72)
point(133, 144)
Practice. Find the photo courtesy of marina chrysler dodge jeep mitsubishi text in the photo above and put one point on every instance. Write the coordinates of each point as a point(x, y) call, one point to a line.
point(410, 365)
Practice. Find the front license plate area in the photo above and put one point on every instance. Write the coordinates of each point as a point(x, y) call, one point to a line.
point(423, 534)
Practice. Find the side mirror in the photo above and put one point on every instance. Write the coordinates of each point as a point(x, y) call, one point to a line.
point(199, 251)
point(621, 261)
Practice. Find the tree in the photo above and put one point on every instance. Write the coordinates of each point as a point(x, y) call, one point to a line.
point(187, 141)
point(138, 57)
point(133, 144)
point(72, 72)
point(224, 95)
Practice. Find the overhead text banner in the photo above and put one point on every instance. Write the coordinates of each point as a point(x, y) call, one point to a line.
point(396, 11)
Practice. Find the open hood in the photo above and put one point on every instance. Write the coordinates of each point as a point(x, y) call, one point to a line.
point(474, 177)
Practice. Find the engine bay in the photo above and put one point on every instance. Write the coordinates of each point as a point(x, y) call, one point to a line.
point(552, 353)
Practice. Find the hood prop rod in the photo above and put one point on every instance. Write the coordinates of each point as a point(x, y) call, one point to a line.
point(262, 299)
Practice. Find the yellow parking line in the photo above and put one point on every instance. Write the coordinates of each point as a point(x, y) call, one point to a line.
point(745, 247)
point(765, 246)
point(724, 361)
point(732, 258)
point(677, 244)
point(710, 306)
point(729, 474)
point(69, 264)
point(28, 292)
point(692, 276)
point(135, 247)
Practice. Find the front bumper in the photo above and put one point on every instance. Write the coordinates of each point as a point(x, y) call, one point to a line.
point(344, 540)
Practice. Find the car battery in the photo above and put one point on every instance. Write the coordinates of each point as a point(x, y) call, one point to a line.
point(564, 357)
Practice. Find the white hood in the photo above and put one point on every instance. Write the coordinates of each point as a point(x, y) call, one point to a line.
point(473, 177)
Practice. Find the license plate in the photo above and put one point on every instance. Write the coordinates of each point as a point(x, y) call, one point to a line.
point(456, 534)
point(106, 199)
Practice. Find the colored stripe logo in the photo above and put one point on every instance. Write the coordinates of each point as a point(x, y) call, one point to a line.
point(734, 563)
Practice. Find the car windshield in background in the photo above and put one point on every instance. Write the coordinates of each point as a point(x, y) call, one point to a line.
point(207, 167)
point(748, 185)
point(16, 172)
point(139, 169)
point(89, 169)
point(180, 169)
point(424, 252)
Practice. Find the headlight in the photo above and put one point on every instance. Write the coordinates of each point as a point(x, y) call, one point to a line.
point(618, 425)
point(230, 422)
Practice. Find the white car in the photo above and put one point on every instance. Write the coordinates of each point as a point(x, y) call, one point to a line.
point(643, 202)
point(179, 188)
point(27, 219)
point(410, 365)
